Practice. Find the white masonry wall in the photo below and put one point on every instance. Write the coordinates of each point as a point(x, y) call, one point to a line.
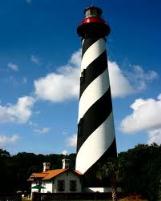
point(48, 187)
point(67, 176)
point(51, 186)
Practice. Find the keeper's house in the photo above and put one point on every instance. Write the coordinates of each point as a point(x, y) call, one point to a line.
point(63, 180)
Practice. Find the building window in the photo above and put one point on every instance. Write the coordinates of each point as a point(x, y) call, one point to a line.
point(61, 185)
point(73, 185)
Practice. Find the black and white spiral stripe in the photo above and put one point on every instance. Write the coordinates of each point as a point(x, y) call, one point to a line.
point(96, 138)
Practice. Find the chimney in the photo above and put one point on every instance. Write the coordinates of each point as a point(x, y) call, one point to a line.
point(65, 163)
point(46, 166)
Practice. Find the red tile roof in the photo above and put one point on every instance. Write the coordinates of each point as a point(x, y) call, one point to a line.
point(50, 174)
point(53, 173)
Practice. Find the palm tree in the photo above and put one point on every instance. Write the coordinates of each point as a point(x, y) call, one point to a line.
point(110, 170)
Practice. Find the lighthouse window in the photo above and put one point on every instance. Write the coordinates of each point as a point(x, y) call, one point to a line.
point(61, 185)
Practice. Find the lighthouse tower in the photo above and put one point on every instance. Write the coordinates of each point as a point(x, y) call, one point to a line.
point(96, 136)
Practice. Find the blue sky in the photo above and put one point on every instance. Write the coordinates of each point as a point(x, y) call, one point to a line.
point(39, 70)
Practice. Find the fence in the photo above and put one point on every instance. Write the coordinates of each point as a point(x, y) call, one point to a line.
point(71, 196)
point(10, 197)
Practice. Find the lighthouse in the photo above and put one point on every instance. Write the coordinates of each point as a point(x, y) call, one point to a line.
point(96, 136)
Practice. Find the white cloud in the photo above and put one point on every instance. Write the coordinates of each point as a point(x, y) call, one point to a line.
point(4, 140)
point(154, 136)
point(76, 58)
point(35, 60)
point(24, 80)
point(120, 85)
point(37, 129)
point(64, 152)
point(57, 87)
point(42, 130)
point(139, 78)
point(32, 124)
point(72, 141)
point(60, 86)
point(64, 83)
point(124, 83)
point(13, 66)
point(145, 116)
point(20, 112)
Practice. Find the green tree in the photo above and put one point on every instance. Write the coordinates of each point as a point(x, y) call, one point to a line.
point(140, 170)
point(4, 179)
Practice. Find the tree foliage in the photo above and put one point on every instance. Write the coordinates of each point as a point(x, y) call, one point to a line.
point(140, 170)
point(15, 170)
point(137, 170)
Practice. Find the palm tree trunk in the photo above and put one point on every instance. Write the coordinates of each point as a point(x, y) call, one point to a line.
point(114, 194)
point(114, 188)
